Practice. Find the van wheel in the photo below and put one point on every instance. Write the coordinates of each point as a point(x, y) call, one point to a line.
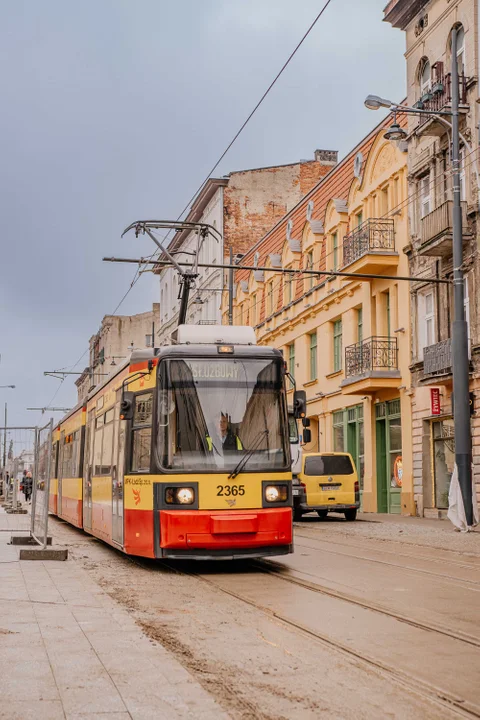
point(351, 515)
point(297, 515)
point(322, 514)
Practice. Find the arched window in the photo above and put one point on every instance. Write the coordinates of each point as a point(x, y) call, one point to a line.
point(424, 77)
point(461, 50)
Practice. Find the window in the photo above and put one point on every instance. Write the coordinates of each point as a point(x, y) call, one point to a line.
point(466, 305)
point(424, 195)
point(384, 198)
point(97, 451)
point(313, 356)
point(254, 313)
point(148, 341)
point(309, 266)
point(325, 465)
point(335, 250)
point(461, 50)
point(387, 313)
point(270, 298)
point(425, 78)
point(462, 174)
point(360, 325)
point(359, 217)
point(337, 345)
point(288, 289)
point(338, 431)
point(142, 432)
point(426, 321)
point(291, 359)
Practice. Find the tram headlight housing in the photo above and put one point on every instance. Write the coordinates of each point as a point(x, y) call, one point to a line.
point(276, 493)
point(179, 495)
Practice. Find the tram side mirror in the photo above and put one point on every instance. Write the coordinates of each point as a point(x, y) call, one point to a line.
point(299, 403)
point(307, 436)
point(126, 406)
point(306, 422)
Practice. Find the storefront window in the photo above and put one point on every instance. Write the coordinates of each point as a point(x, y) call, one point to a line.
point(338, 432)
point(444, 456)
point(396, 465)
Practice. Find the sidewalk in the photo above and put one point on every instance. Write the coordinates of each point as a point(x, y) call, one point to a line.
point(67, 650)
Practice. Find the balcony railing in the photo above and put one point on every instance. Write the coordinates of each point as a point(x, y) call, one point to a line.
point(372, 236)
point(440, 222)
point(437, 358)
point(371, 355)
point(440, 96)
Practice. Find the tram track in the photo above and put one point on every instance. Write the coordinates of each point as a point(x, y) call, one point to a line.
point(413, 684)
point(399, 566)
point(426, 558)
point(279, 571)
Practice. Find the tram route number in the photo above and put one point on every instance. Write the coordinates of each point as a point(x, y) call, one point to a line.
point(226, 490)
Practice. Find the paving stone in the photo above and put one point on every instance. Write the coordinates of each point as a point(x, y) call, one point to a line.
point(31, 710)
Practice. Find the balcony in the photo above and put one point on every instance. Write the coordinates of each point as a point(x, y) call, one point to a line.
point(437, 230)
point(370, 248)
point(371, 365)
point(437, 359)
point(439, 97)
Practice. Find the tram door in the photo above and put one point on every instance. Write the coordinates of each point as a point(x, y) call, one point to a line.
point(60, 472)
point(118, 470)
point(87, 472)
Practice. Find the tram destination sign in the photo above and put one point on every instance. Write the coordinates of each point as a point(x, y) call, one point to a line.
point(214, 369)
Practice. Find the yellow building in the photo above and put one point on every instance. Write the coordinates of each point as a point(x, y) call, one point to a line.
point(345, 339)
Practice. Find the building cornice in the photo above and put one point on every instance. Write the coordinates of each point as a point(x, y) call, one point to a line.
point(399, 13)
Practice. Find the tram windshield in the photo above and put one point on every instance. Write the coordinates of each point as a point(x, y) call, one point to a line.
point(212, 412)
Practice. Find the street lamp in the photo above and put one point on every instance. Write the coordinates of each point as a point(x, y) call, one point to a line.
point(7, 386)
point(460, 361)
point(12, 387)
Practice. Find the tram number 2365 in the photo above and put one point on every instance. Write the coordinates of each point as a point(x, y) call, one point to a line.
point(230, 490)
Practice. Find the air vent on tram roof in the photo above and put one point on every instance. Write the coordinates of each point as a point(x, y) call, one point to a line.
point(215, 335)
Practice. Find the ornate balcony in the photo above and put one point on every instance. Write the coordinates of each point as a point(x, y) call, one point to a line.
point(439, 97)
point(437, 359)
point(437, 230)
point(370, 248)
point(371, 365)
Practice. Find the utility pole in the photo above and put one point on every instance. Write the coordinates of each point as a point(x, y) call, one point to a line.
point(5, 440)
point(230, 289)
point(460, 361)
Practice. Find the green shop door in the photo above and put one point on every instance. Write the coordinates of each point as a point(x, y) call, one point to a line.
point(389, 456)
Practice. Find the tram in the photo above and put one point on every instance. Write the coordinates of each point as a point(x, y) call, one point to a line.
point(184, 452)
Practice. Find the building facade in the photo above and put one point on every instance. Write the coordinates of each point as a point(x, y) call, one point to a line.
point(345, 339)
point(243, 205)
point(117, 337)
point(428, 29)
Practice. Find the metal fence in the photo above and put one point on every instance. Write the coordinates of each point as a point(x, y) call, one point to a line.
point(41, 484)
point(25, 457)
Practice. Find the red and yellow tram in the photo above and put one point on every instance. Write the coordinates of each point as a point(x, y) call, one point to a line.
point(183, 453)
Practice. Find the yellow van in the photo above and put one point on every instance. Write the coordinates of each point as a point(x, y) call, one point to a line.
point(328, 482)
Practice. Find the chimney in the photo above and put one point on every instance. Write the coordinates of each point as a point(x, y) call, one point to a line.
point(326, 157)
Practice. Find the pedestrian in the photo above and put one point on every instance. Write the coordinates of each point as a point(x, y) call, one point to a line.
point(28, 486)
point(23, 484)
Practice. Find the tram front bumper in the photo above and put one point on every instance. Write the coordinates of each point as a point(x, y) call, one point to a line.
point(223, 530)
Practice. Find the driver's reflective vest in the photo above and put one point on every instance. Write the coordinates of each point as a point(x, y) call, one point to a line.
point(238, 443)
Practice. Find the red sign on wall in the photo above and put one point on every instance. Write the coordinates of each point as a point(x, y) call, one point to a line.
point(435, 401)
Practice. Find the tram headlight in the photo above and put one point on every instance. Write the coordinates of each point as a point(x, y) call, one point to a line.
point(179, 496)
point(276, 493)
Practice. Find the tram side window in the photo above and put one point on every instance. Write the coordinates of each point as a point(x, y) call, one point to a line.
point(75, 467)
point(107, 447)
point(67, 459)
point(97, 450)
point(142, 433)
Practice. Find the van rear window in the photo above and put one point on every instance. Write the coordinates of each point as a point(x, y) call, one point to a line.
point(328, 465)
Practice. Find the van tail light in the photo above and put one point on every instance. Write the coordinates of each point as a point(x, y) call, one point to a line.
point(303, 485)
point(357, 487)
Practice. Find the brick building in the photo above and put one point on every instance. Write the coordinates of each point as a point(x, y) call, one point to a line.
point(344, 338)
point(241, 206)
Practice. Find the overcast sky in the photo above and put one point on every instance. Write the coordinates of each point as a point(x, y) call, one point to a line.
point(115, 110)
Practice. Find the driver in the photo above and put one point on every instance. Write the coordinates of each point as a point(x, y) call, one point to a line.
point(230, 442)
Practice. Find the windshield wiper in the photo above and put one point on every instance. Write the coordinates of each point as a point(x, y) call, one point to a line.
point(241, 464)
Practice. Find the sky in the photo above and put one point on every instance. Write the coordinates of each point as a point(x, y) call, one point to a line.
point(115, 110)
